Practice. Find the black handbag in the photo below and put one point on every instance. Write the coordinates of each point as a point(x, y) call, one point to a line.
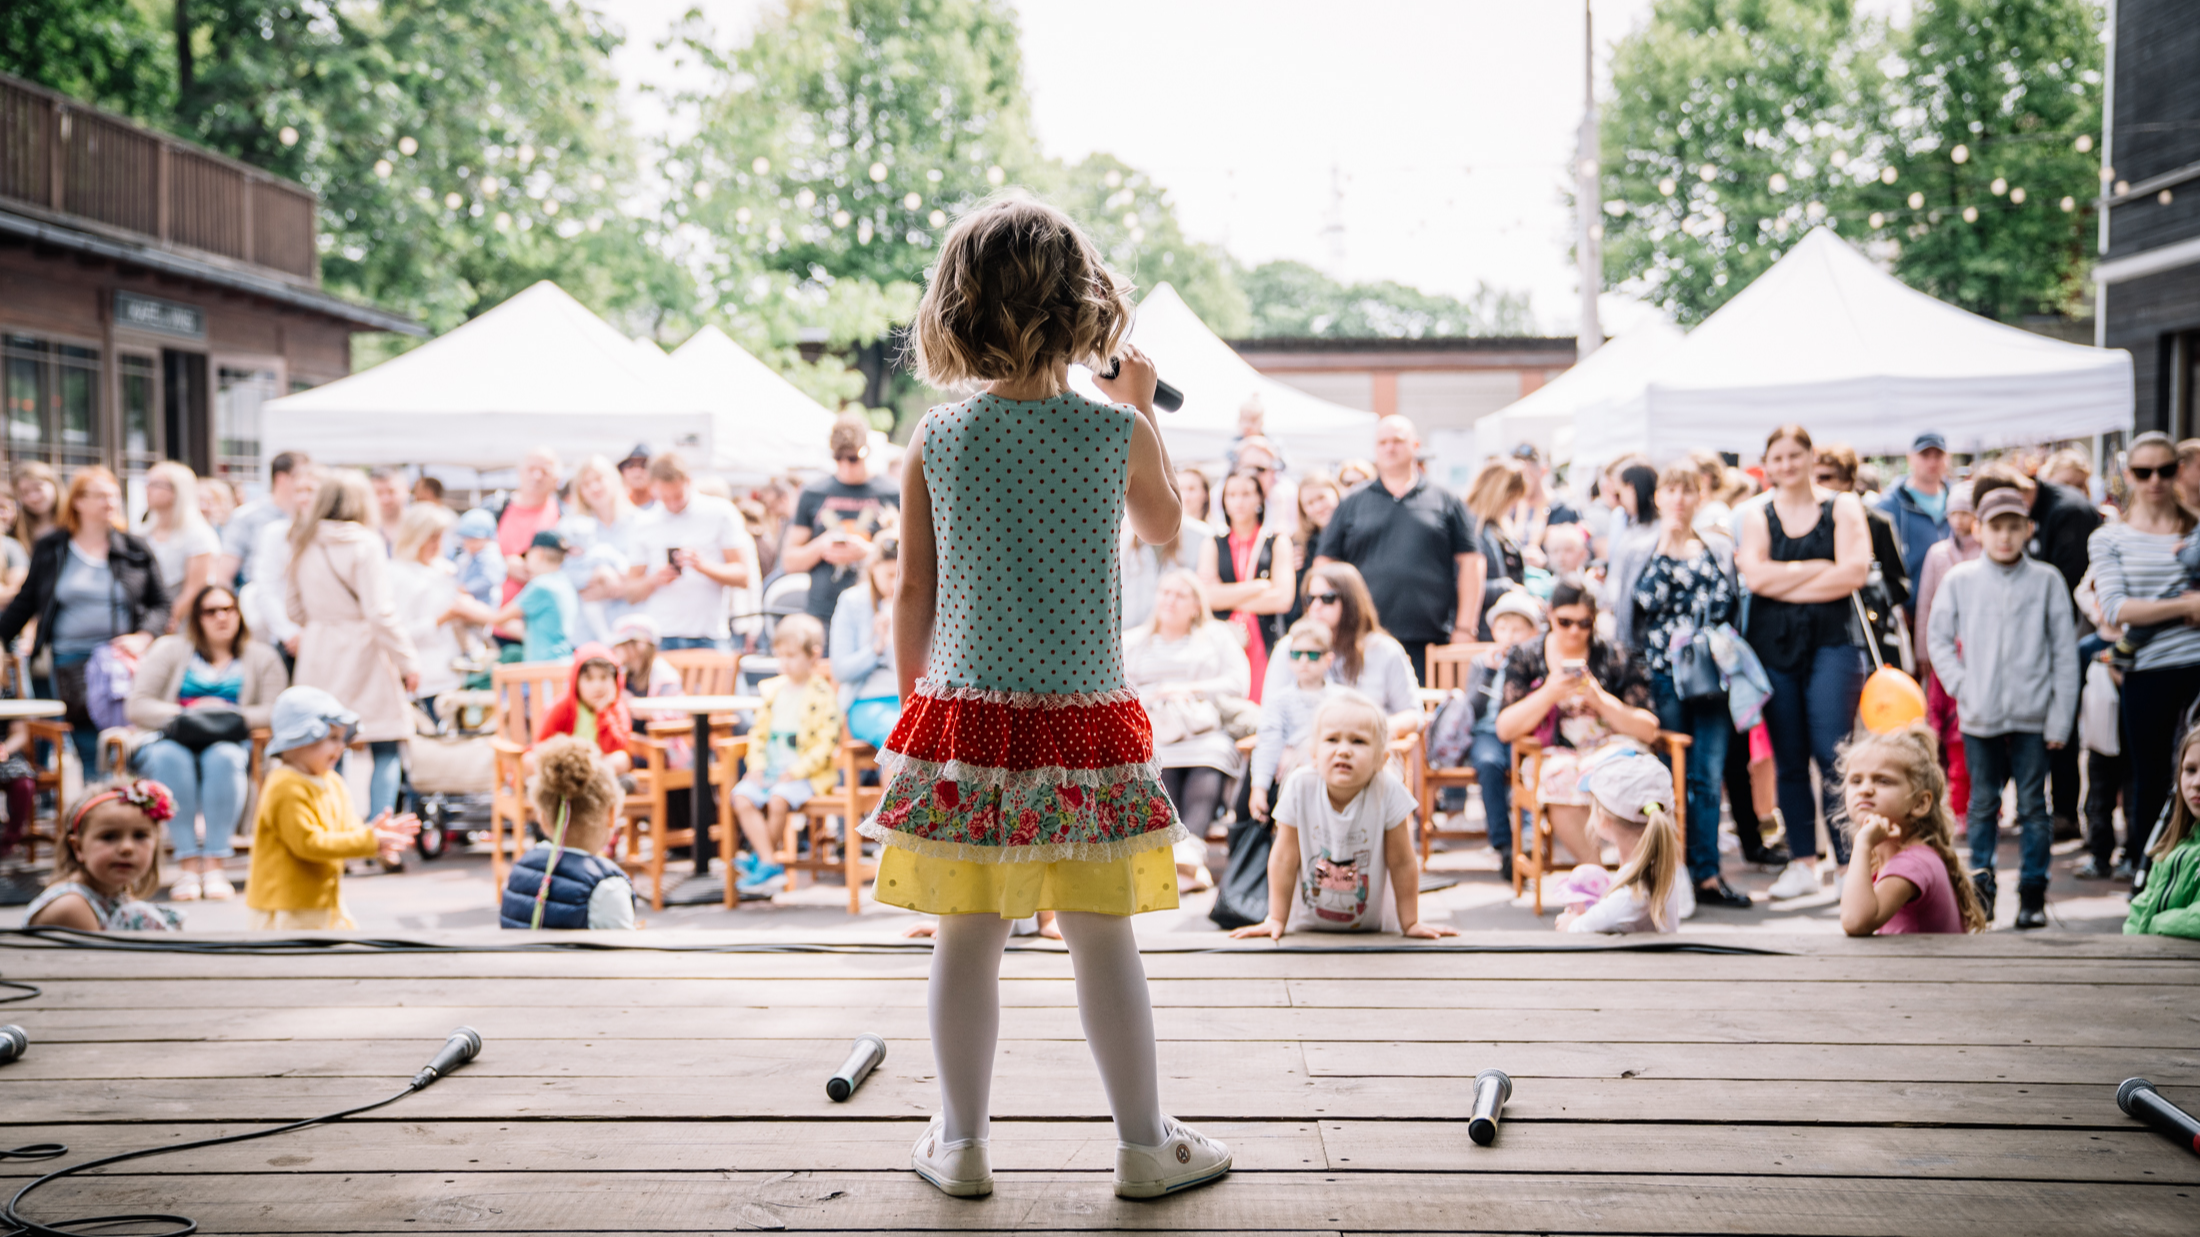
point(1695, 674)
point(199, 729)
point(1241, 896)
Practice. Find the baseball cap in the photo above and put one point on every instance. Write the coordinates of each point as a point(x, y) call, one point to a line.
point(636, 628)
point(2003, 502)
point(477, 523)
point(1930, 440)
point(1959, 499)
point(1526, 451)
point(1517, 601)
point(638, 455)
point(548, 539)
point(305, 715)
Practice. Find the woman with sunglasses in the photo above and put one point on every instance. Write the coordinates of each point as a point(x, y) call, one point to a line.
point(1369, 660)
point(1802, 554)
point(1579, 696)
point(213, 665)
point(2140, 581)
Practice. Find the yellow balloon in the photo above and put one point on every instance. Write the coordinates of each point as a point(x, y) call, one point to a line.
point(1891, 700)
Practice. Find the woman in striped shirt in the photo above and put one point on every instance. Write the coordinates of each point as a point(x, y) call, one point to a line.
point(2136, 571)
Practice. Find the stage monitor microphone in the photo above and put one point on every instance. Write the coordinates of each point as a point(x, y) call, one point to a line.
point(1492, 1088)
point(2138, 1098)
point(864, 1057)
point(1165, 397)
point(463, 1046)
point(13, 1043)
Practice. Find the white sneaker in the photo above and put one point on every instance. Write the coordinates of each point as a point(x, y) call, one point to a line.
point(961, 1169)
point(1798, 881)
point(1184, 1158)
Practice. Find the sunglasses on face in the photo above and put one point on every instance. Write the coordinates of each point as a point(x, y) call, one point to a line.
point(2168, 471)
point(1321, 599)
point(1308, 654)
point(1572, 623)
point(211, 611)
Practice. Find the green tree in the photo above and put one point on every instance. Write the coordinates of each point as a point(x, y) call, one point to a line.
point(1737, 125)
point(1134, 224)
point(1293, 299)
point(110, 53)
point(2003, 99)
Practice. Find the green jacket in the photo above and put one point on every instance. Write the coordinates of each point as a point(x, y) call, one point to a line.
point(2170, 904)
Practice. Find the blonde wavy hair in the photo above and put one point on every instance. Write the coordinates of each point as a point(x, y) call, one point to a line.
point(1018, 287)
point(1916, 751)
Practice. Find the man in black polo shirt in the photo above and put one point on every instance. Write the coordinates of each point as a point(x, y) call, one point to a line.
point(1414, 543)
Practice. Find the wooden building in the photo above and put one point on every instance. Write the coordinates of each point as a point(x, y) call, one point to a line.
point(153, 294)
point(2149, 275)
point(1445, 383)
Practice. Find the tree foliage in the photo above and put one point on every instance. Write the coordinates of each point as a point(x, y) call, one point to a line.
point(1294, 299)
point(1738, 125)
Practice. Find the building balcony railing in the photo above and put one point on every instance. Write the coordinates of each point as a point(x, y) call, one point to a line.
point(64, 158)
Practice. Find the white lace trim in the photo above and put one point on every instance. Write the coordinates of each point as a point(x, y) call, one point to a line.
point(1026, 700)
point(896, 764)
point(1052, 852)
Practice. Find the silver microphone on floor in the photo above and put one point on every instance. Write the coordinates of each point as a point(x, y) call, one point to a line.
point(1492, 1088)
point(13, 1043)
point(463, 1045)
point(2139, 1098)
point(869, 1050)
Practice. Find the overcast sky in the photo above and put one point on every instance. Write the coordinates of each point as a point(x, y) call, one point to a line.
point(1437, 131)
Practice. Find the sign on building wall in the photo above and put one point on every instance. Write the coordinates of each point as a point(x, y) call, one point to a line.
point(147, 313)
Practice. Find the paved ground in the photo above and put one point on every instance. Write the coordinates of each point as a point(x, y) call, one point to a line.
point(456, 892)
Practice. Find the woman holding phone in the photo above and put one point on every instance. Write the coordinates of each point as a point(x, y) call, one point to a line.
point(1580, 697)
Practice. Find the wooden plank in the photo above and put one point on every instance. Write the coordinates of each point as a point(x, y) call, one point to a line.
point(1947, 998)
point(1053, 1091)
point(39, 966)
point(2134, 1155)
point(370, 1201)
point(1830, 1062)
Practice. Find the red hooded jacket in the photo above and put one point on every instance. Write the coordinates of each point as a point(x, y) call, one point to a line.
point(614, 726)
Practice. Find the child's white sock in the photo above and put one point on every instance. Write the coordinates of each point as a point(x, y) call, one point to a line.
point(965, 1001)
point(1118, 1015)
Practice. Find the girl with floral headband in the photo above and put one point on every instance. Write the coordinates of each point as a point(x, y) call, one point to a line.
point(107, 865)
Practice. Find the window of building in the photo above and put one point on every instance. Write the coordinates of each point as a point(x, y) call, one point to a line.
point(53, 405)
point(2181, 372)
point(238, 394)
point(139, 393)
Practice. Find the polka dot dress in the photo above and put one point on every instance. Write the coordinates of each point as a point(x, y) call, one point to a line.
point(1022, 745)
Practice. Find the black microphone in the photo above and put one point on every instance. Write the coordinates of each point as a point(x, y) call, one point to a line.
point(13, 1043)
point(1165, 397)
point(1492, 1088)
point(463, 1046)
point(869, 1050)
point(2138, 1098)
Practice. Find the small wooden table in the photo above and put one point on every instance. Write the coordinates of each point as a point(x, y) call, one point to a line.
point(702, 805)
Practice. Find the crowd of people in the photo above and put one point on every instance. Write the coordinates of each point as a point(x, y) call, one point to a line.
point(2052, 623)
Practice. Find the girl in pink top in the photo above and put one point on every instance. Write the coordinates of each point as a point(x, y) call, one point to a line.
point(1906, 877)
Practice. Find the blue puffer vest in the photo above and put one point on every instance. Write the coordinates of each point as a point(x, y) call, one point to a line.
point(567, 906)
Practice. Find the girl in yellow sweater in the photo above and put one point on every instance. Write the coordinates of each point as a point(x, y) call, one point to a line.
point(306, 827)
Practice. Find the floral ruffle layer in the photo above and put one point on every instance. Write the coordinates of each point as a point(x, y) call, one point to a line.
point(1023, 777)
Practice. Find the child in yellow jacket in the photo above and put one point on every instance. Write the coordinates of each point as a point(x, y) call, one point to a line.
point(791, 748)
point(306, 827)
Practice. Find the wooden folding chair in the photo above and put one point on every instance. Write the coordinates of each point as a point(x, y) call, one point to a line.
point(1532, 842)
point(52, 733)
point(524, 692)
point(1448, 668)
point(704, 672)
point(831, 849)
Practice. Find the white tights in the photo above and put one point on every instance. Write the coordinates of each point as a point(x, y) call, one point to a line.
point(965, 1000)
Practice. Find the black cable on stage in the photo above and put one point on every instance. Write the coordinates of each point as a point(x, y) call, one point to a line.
point(74, 938)
point(455, 1052)
point(26, 992)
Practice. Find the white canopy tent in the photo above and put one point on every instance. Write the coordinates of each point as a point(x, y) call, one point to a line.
point(766, 424)
point(1216, 381)
point(540, 368)
point(1597, 388)
point(1828, 340)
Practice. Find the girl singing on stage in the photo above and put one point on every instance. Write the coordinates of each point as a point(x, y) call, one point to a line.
point(1021, 774)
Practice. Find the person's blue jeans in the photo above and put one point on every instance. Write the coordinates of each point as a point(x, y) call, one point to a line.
point(386, 779)
point(1996, 760)
point(1710, 728)
point(694, 642)
point(1807, 718)
point(1492, 761)
point(208, 786)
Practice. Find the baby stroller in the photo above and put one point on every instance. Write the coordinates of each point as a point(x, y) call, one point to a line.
point(449, 779)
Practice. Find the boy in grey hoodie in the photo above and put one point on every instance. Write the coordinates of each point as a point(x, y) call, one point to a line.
point(2002, 639)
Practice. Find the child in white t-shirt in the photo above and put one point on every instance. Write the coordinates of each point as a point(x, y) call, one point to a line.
point(1343, 859)
point(1631, 798)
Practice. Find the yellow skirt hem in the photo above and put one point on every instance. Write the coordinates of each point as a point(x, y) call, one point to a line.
point(934, 885)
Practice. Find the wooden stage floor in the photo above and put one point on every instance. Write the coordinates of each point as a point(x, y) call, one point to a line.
point(1919, 1086)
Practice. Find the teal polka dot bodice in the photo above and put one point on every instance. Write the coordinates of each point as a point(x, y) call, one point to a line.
point(1027, 504)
